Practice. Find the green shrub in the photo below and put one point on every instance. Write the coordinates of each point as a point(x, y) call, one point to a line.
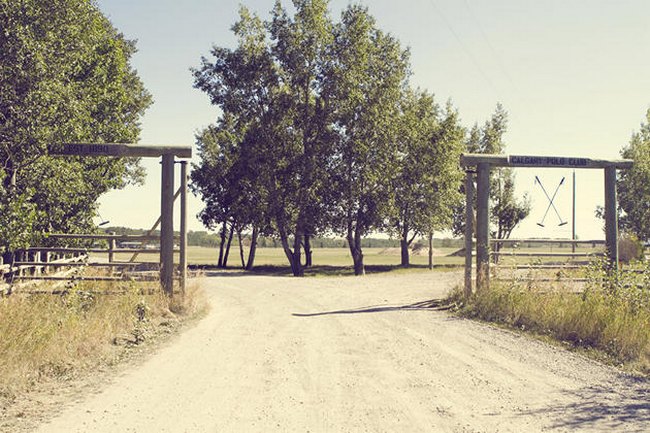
point(630, 248)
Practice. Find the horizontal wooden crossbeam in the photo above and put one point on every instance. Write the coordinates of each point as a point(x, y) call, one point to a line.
point(473, 159)
point(96, 250)
point(118, 149)
point(532, 267)
point(103, 236)
point(84, 278)
point(81, 264)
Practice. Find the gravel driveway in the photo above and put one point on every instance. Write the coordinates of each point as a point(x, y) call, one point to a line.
point(346, 354)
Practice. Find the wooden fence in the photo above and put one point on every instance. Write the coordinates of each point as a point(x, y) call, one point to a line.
point(544, 260)
point(66, 263)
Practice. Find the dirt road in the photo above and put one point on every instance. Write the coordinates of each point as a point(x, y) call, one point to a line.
point(349, 355)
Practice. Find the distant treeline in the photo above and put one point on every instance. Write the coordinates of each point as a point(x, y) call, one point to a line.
point(211, 240)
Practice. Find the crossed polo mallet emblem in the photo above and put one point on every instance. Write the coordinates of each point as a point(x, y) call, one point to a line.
point(550, 202)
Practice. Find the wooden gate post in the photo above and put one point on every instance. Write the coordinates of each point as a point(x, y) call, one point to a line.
point(469, 229)
point(45, 257)
point(183, 240)
point(611, 218)
point(167, 225)
point(33, 257)
point(111, 248)
point(482, 226)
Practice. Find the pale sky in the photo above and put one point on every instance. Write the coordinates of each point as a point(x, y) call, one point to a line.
point(573, 76)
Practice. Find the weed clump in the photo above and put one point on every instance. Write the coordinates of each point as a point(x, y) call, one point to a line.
point(611, 313)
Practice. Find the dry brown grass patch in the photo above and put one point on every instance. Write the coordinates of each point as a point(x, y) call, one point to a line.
point(57, 336)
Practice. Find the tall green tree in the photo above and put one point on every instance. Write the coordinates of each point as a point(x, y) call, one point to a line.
point(506, 210)
point(273, 86)
point(634, 184)
point(301, 45)
point(318, 105)
point(367, 75)
point(228, 183)
point(213, 179)
point(238, 163)
point(427, 185)
point(65, 76)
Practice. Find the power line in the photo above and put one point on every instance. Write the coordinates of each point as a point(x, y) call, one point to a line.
point(496, 57)
point(463, 47)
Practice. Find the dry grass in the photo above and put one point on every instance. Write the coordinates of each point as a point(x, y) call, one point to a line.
point(56, 336)
point(612, 316)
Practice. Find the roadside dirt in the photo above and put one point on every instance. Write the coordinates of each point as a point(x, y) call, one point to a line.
point(347, 354)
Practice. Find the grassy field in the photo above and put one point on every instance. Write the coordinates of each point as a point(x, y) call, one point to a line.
point(321, 257)
point(340, 257)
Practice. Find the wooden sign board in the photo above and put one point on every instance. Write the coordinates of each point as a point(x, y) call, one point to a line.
point(547, 161)
point(88, 149)
point(118, 150)
point(473, 159)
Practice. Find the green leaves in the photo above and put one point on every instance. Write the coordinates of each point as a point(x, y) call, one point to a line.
point(427, 183)
point(634, 185)
point(64, 76)
point(367, 73)
point(318, 127)
point(506, 209)
point(17, 216)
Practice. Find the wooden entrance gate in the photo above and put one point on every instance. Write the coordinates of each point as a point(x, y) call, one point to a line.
point(481, 164)
point(167, 155)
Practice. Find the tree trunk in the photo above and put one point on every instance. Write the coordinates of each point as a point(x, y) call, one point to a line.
point(225, 256)
point(9, 180)
point(222, 244)
point(405, 252)
point(308, 251)
point(296, 268)
point(430, 250)
point(241, 249)
point(252, 249)
point(404, 243)
point(354, 243)
point(497, 245)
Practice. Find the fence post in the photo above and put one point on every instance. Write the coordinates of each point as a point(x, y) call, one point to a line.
point(45, 257)
point(469, 230)
point(35, 256)
point(111, 252)
point(482, 227)
point(611, 218)
point(111, 248)
point(183, 240)
point(19, 257)
point(167, 225)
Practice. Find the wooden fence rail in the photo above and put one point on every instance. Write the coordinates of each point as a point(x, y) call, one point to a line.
point(18, 274)
point(512, 249)
point(548, 241)
point(543, 254)
point(34, 265)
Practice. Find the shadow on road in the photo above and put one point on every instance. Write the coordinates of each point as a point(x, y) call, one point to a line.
point(431, 304)
point(601, 407)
